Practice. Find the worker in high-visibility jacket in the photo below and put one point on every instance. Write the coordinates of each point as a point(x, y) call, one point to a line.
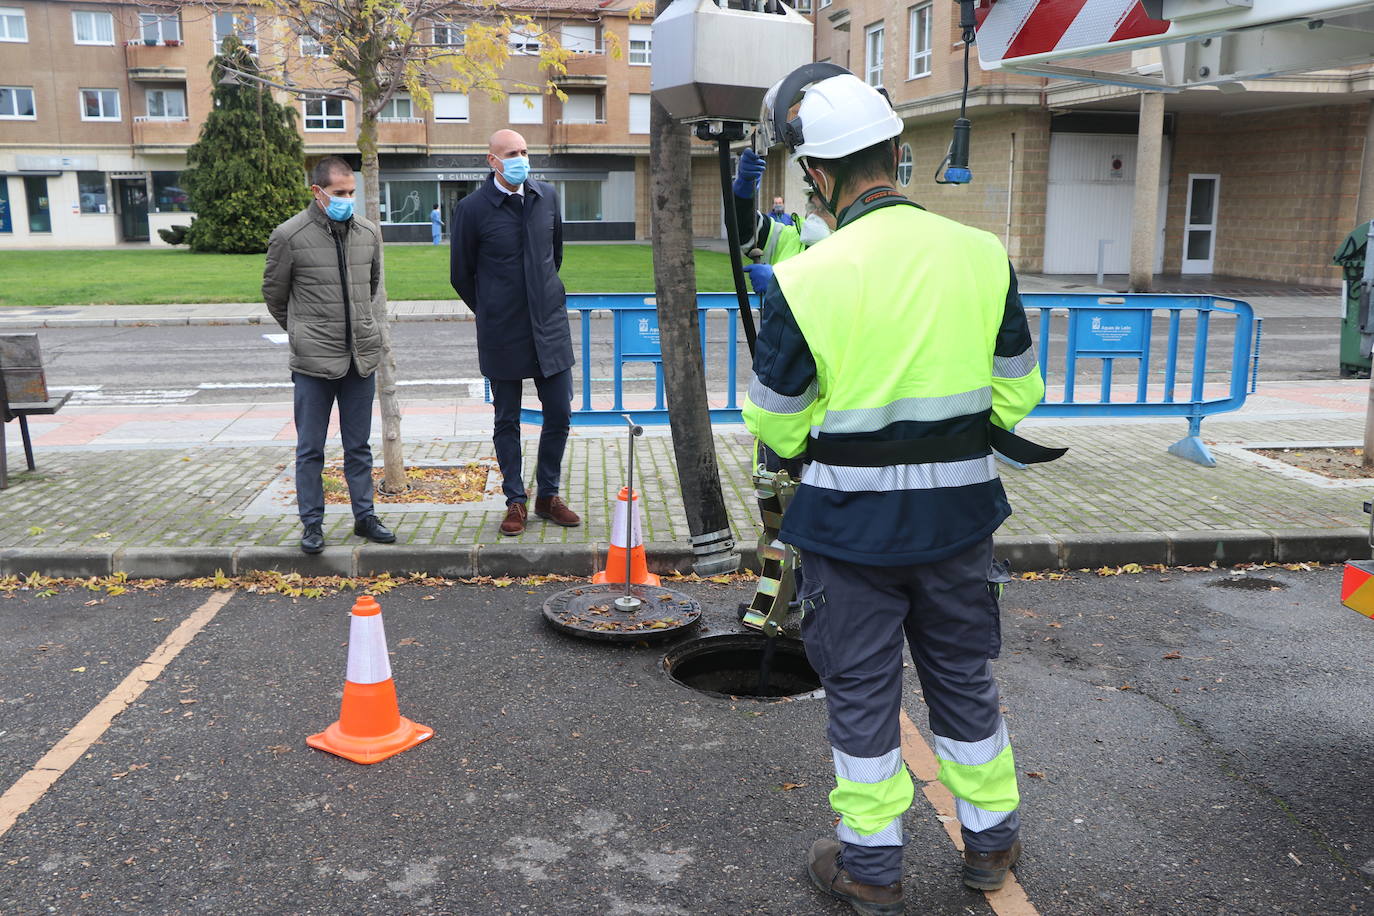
point(895, 356)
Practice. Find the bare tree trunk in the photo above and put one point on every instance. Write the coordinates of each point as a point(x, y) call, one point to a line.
point(393, 461)
point(675, 284)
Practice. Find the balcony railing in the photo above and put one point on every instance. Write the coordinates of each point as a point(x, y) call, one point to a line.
point(406, 132)
point(165, 133)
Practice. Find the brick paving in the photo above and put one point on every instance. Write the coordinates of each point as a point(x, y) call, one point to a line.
point(1116, 478)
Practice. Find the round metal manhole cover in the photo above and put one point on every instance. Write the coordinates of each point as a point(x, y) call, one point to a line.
point(590, 612)
point(744, 666)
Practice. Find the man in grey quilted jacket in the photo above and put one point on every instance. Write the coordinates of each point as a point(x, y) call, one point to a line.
point(324, 271)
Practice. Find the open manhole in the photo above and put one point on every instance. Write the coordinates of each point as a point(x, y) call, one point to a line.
point(1249, 583)
point(733, 666)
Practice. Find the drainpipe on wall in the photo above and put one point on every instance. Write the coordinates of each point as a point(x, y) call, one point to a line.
point(1145, 208)
point(1011, 184)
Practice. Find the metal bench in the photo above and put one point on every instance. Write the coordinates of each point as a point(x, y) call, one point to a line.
point(23, 393)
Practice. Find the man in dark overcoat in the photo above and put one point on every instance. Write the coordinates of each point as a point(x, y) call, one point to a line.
point(507, 247)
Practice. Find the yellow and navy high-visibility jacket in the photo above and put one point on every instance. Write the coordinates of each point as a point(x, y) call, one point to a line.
point(903, 326)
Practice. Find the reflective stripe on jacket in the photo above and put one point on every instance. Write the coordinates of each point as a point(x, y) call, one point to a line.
point(904, 325)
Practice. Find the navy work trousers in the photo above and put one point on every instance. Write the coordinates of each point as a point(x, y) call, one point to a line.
point(855, 619)
point(314, 400)
point(555, 398)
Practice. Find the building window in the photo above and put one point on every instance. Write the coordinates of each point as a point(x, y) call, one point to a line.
point(6, 214)
point(168, 195)
point(408, 201)
point(905, 163)
point(580, 201)
point(639, 114)
point(242, 26)
point(397, 108)
point(324, 114)
point(823, 4)
point(641, 45)
point(803, 6)
point(311, 46)
point(450, 35)
point(167, 104)
point(526, 108)
point(16, 104)
point(13, 25)
point(94, 196)
point(160, 27)
point(920, 42)
point(100, 105)
point(524, 41)
point(580, 108)
point(93, 28)
point(451, 107)
point(579, 39)
point(873, 54)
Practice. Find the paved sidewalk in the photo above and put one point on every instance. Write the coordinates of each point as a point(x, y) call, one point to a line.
point(123, 492)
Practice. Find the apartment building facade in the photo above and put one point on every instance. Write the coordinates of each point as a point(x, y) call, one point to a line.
point(1260, 182)
point(99, 102)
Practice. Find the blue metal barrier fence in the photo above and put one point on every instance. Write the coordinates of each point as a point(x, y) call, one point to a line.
point(1076, 333)
point(1112, 328)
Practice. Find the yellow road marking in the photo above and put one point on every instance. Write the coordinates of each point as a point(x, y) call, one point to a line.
point(30, 787)
point(1011, 900)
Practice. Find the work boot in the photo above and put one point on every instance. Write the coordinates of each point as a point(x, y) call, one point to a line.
point(828, 874)
point(556, 511)
point(987, 871)
point(372, 528)
point(312, 539)
point(514, 522)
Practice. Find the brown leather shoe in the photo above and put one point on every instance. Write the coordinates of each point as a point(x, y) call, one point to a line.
point(987, 871)
point(828, 874)
point(514, 522)
point(556, 511)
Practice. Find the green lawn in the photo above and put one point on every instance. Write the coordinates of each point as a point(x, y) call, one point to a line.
point(142, 277)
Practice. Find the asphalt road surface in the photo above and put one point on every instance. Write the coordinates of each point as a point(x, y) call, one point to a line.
point(238, 364)
point(1187, 745)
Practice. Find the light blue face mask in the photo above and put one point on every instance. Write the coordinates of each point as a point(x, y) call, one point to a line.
point(339, 209)
point(515, 169)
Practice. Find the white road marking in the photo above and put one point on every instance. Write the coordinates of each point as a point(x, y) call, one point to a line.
point(275, 338)
point(30, 787)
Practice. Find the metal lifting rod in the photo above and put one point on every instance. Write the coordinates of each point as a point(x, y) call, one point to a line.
point(628, 602)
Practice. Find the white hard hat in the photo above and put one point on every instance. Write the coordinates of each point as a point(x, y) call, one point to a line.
point(842, 115)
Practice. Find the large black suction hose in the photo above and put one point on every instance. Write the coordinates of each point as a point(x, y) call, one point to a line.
point(727, 197)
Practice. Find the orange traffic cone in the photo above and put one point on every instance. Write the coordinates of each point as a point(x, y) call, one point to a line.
point(621, 540)
point(370, 726)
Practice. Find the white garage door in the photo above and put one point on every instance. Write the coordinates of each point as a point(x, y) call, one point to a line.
point(1091, 186)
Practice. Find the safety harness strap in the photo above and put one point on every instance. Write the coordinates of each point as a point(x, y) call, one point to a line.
point(867, 453)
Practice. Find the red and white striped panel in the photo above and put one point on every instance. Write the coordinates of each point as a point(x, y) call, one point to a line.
point(1014, 29)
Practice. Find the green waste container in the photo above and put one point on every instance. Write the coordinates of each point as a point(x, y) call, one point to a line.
point(1351, 259)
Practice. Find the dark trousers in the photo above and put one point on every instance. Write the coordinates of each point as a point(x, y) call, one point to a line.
point(855, 619)
point(555, 398)
point(315, 398)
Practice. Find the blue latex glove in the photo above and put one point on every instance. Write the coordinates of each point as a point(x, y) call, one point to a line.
point(760, 275)
point(751, 166)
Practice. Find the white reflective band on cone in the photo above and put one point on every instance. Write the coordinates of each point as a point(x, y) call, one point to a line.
point(367, 659)
point(618, 526)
